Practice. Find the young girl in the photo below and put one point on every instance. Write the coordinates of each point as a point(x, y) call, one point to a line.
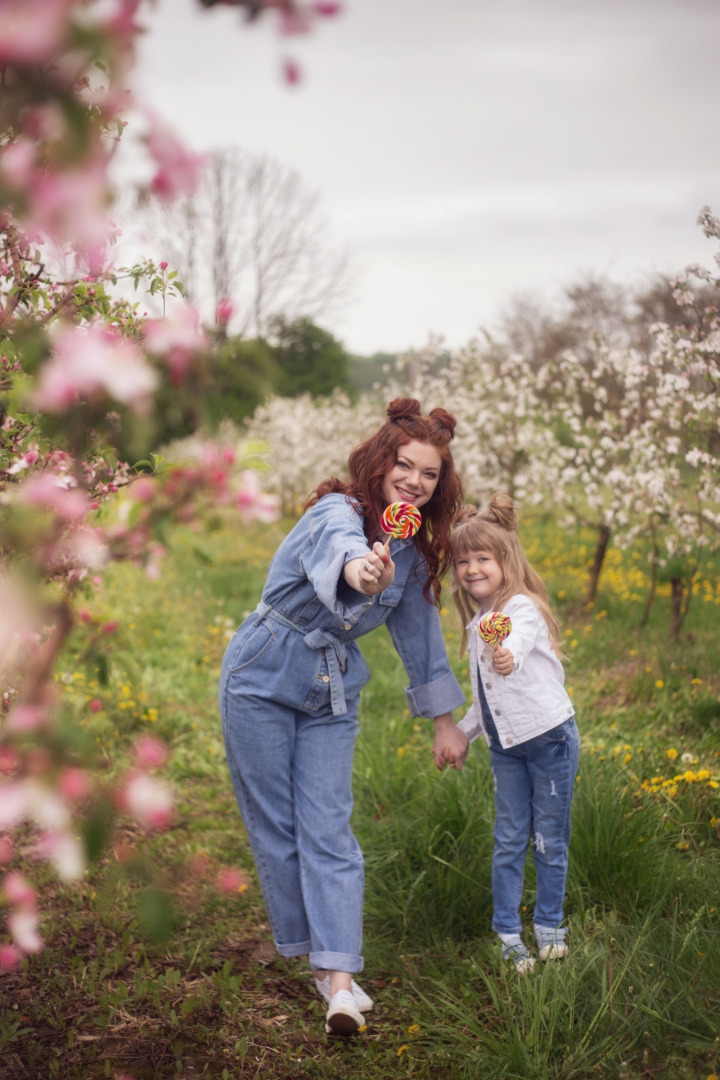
point(521, 707)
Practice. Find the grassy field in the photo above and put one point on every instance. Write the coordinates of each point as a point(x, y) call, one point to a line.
point(153, 971)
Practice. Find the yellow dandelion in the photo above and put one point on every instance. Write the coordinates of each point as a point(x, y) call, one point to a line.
point(401, 751)
point(671, 753)
point(402, 1049)
point(659, 683)
point(413, 1029)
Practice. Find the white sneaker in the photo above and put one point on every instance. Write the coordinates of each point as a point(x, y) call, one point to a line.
point(551, 943)
point(363, 1002)
point(343, 1017)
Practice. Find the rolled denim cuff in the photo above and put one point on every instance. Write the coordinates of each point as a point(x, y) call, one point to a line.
point(336, 961)
point(435, 698)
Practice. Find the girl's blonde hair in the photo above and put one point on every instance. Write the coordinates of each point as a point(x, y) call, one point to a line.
point(494, 529)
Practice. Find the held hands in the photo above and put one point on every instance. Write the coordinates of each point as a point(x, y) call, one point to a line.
point(450, 746)
point(372, 574)
point(503, 660)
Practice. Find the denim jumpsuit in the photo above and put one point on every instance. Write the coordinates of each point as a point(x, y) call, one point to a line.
point(289, 694)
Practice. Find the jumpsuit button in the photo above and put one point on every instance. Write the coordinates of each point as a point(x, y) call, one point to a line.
point(326, 678)
point(509, 740)
point(347, 625)
point(498, 712)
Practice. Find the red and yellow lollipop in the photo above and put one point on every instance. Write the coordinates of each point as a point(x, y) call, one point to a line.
point(494, 627)
point(400, 520)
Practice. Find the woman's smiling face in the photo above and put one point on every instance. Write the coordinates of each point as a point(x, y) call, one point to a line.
point(415, 474)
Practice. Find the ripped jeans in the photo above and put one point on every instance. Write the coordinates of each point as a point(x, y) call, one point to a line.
point(534, 783)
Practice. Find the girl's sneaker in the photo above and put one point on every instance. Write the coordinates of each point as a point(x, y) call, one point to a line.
point(343, 1016)
point(514, 949)
point(551, 942)
point(363, 1002)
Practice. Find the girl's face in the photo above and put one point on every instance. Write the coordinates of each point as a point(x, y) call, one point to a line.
point(415, 474)
point(480, 574)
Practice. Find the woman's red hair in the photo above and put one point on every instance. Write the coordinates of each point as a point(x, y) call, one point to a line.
point(371, 461)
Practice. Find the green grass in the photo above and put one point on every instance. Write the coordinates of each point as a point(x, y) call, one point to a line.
point(150, 971)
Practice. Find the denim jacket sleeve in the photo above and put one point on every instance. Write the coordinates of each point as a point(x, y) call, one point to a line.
point(415, 629)
point(335, 536)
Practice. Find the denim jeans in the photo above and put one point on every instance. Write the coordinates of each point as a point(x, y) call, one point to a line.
point(291, 771)
point(534, 783)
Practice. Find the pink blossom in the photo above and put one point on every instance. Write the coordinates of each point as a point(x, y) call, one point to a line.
point(9, 759)
point(91, 362)
point(255, 504)
point(179, 169)
point(95, 705)
point(291, 72)
point(327, 10)
point(164, 264)
point(18, 890)
point(231, 881)
point(33, 30)
point(9, 957)
point(150, 752)
point(26, 718)
point(13, 804)
point(147, 799)
point(293, 21)
point(224, 311)
point(17, 163)
point(178, 338)
point(6, 850)
point(144, 489)
point(44, 491)
point(72, 207)
point(23, 926)
point(74, 783)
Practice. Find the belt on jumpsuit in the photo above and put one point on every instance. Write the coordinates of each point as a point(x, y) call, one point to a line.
point(333, 647)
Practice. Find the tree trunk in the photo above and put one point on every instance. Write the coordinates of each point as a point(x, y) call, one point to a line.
point(653, 587)
point(597, 563)
point(679, 605)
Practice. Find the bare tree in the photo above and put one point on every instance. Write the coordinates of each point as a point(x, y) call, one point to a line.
point(256, 235)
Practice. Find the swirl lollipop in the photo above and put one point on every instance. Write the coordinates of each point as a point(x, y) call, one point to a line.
point(400, 520)
point(494, 627)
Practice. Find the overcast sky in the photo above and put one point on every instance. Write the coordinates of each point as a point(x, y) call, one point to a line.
point(466, 151)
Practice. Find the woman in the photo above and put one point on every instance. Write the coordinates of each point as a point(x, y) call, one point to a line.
point(292, 675)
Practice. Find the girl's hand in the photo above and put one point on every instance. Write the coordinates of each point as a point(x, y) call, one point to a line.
point(450, 746)
point(503, 660)
point(372, 574)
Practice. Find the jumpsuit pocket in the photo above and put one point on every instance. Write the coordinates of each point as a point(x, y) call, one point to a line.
point(251, 649)
point(391, 596)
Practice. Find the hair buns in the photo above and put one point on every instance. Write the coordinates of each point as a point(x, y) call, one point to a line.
point(502, 509)
point(403, 409)
point(444, 422)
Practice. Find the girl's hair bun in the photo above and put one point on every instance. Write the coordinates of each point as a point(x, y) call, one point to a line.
point(403, 409)
point(444, 421)
point(464, 514)
point(502, 509)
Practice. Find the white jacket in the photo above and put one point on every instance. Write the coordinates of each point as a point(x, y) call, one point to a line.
point(532, 699)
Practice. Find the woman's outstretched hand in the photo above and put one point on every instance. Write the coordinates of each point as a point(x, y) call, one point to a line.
point(450, 746)
point(373, 573)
